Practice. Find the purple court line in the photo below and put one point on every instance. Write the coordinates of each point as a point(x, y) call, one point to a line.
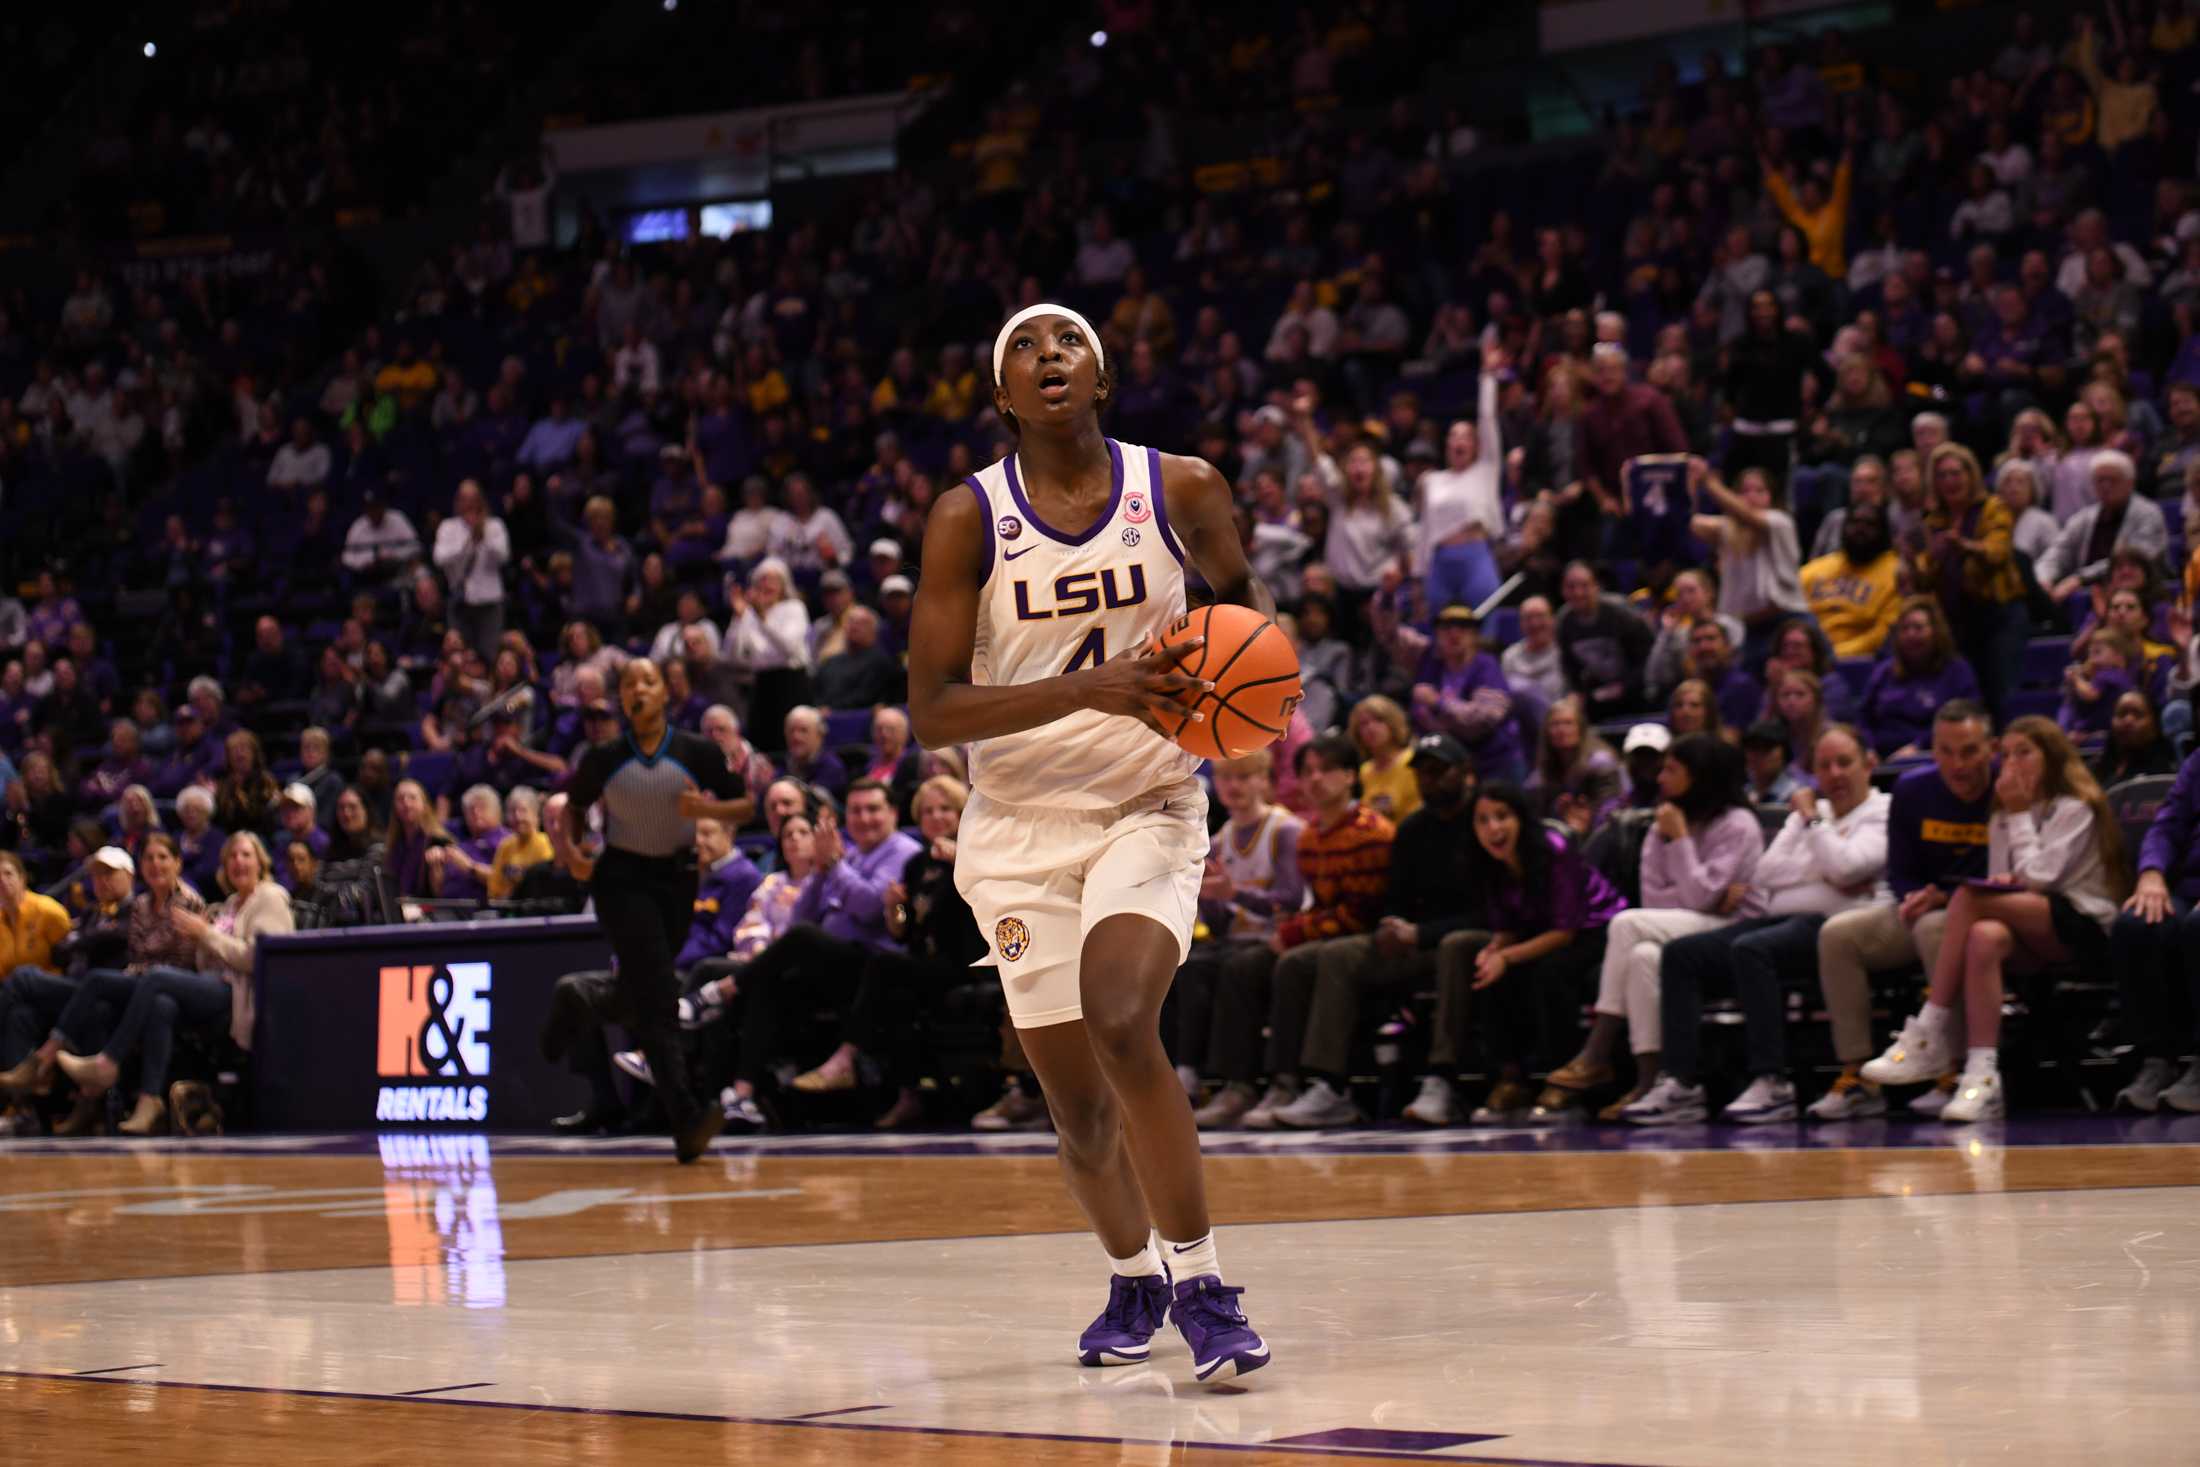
point(965, 1432)
point(111, 1369)
point(843, 1411)
point(439, 1390)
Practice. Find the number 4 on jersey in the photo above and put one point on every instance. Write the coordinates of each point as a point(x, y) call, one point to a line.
point(1091, 652)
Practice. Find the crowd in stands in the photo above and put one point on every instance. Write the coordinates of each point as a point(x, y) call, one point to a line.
point(1761, 576)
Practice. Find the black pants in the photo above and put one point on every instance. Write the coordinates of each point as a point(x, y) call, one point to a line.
point(788, 982)
point(1752, 958)
point(2158, 968)
point(886, 1019)
point(1244, 1006)
point(1245, 967)
point(580, 1006)
point(1530, 1017)
point(644, 905)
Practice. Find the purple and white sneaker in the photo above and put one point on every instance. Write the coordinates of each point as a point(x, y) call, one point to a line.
point(1223, 1344)
point(1123, 1334)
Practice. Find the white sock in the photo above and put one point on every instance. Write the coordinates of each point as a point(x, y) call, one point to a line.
point(1193, 1259)
point(1937, 1017)
point(1983, 1059)
point(1145, 1263)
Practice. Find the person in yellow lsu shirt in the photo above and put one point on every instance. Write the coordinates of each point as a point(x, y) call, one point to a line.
point(1856, 591)
point(30, 924)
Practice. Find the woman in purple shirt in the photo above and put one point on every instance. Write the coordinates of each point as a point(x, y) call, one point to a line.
point(1921, 672)
point(1524, 978)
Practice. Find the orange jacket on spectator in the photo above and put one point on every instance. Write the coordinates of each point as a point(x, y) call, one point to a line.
point(1347, 870)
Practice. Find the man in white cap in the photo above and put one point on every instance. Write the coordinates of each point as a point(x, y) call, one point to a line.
point(296, 823)
point(883, 560)
point(896, 595)
point(1644, 752)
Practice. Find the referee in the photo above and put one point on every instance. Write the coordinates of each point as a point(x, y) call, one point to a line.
point(653, 784)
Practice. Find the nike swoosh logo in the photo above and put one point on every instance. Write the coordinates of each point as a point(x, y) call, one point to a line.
point(1012, 554)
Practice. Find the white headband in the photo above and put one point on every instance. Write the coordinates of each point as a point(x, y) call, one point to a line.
point(1000, 342)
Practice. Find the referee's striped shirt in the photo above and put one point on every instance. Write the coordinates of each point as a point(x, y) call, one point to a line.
point(640, 793)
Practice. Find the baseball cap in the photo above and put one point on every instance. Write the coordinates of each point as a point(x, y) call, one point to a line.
point(1441, 747)
point(885, 546)
point(1273, 415)
point(1457, 615)
point(114, 858)
point(833, 581)
point(893, 584)
point(298, 793)
point(1654, 736)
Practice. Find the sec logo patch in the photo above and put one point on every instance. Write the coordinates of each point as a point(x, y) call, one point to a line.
point(1011, 527)
point(1012, 937)
point(1130, 536)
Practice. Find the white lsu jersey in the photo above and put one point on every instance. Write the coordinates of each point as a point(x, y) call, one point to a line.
point(1055, 601)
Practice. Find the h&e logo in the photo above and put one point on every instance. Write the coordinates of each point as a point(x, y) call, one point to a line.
point(434, 1022)
point(434, 1026)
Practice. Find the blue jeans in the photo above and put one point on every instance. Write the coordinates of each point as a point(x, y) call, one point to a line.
point(152, 1004)
point(1749, 955)
point(1464, 574)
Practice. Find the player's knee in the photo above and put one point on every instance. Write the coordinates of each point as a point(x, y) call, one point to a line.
point(1121, 1035)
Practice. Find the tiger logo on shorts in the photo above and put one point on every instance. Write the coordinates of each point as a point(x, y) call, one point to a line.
point(1012, 937)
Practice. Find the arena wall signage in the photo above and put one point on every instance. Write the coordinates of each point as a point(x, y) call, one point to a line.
point(426, 1025)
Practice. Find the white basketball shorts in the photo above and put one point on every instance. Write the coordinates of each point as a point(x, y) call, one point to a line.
point(1038, 879)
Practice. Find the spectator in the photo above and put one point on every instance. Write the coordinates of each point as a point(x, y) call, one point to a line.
point(1384, 735)
point(1522, 974)
point(467, 865)
point(524, 846)
point(381, 542)
point(246, 795)
point(302, 463)
point(808, 760)
point(1855, 592)
point(722, 726)
point(1735, 695)
point(1325, 659)
point(353, 838)
point(1623, 420)
point(2056, 874)
point(1462, 504)
point(2136, 747)
point(767, 640)
point(1251, 880)
point(1602, 644)
point(1703, 846)
point(2034, 531)
point(1369, 537)
point(296, 826)
point(553, 441)
point(863, 675)
point(1460, 690)
point(198, 840)
point(1830, 856)
point(1765, 371)
point(1344, 859)
point(1760, 556)
point(2092, 687)
point(2115, 519)
point(122, 765)
point(31, 925)
point(275, 672)
point(1964, 556)
point(2151, 948)
point(1693, 599)
point(471, 549)
point(606, 571)
point(895, 760)
point(1576, 780)
point(1767, 763)
point(1533, 663)
point(928, 916)
point(1922, 673)
point(838, 923)
point(413, 849)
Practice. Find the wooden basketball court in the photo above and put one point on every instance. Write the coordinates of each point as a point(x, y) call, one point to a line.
point(1700, 1296)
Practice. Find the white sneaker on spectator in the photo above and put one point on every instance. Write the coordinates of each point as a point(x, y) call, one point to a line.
point(1262, 1117)
point(1977, 1098)
point(634, 1063)
point(2144, 1093)
point(1768, 1098)
point(1319, 1105)
point(741, 1110)
point(2185, 1094)
point(1852, 1098)
point(1668, 1103)
point(1932, 1102)
point(1921, 1051)
point(1434, 1106)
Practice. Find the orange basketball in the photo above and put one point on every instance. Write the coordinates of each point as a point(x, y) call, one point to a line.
point(1255, 670)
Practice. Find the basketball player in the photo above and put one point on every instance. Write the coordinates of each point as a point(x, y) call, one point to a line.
point(653, 783)
point(1045, 576)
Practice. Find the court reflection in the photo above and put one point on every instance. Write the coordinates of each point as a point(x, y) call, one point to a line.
point(440, 1205)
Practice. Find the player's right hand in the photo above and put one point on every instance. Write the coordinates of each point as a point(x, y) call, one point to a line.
point(1148, 685)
